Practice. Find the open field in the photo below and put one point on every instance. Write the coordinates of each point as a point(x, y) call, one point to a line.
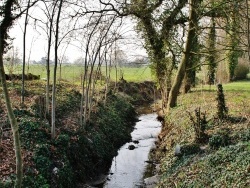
point(232, 86)
point(72, 73)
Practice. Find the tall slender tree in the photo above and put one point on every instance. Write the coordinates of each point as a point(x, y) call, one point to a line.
point(51, 15)
point(53, 107)
point(6, 23)
point(24, 52)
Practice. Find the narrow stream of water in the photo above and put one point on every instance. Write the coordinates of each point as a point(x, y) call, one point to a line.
point(129, 166)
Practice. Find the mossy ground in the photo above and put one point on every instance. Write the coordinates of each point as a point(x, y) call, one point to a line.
point(223, 159)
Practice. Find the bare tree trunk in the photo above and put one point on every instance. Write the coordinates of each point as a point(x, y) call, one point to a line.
point(24, 53)
point(53, 112)
point(172, 100)
point(94, 79)
point(48, 59)
point(84, 98)
point(14, 126)
point(60, 71)
point(107, 75)
point(28, 62)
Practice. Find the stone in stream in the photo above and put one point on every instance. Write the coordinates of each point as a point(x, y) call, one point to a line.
point(131, 147)
point(151, 182)
point(135, 141)
point(97, 181)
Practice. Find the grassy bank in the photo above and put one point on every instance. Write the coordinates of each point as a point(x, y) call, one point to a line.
point(78, 153)
point(221, 160)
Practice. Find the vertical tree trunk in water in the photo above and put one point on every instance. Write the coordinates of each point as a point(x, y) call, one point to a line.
point(172, 100)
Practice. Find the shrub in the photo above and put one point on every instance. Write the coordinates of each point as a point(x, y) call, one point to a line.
point(190, 149)
point(67, 102)
point(199, 125)
point(220, 139)
point(34, 181)
point(33, 133)
point(241, 71)
point(42, 160)
point(63, 140)
point(248, 76)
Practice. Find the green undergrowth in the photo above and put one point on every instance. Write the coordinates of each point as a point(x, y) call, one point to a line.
point(225, 167)
point(77, 154)
point(222, 159)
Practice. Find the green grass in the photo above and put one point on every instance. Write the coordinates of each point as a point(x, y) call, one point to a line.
point(232, 86)
point(135, 74)
point(73, 73)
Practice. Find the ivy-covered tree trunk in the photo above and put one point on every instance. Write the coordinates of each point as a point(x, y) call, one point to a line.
point(6, 23)
point(191, 39)
point(157, 39)
point(233, 39)
point(194, 58)
point(163, 72)
point(190, 73)
point(211, 53)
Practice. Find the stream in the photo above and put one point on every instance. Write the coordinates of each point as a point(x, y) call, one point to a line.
point(128, 166)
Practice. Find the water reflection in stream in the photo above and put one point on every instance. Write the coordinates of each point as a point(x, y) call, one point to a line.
point(129, 165)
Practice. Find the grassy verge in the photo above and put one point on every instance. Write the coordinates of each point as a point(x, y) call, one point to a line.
point(222, 159)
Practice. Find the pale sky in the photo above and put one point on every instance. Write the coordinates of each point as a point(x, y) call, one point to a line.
point(36, 42)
